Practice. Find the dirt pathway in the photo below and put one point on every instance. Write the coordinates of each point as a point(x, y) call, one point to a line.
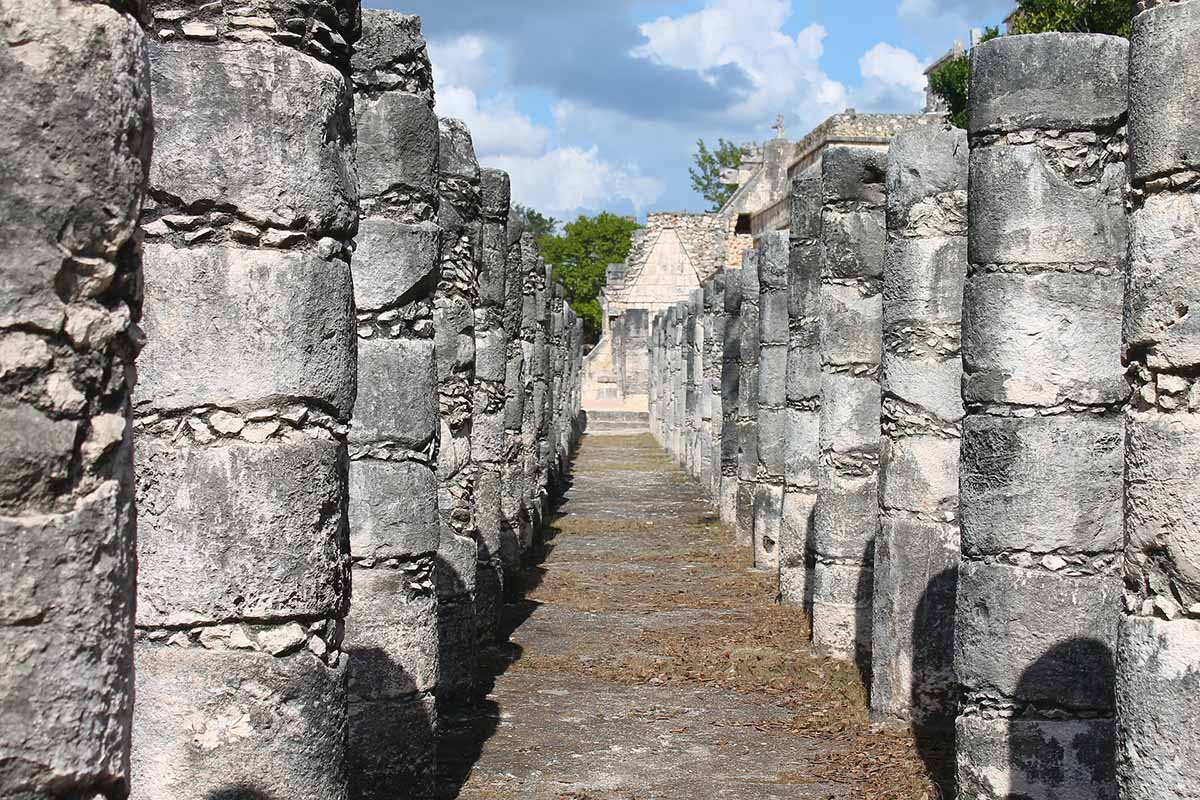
point(648, 660)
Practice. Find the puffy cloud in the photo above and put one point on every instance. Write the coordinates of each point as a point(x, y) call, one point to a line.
point(497, 127)
point(938, 23)
point(567, 180)
point(893, 80)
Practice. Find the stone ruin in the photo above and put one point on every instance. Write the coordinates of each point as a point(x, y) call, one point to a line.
point(356, 389)
point(983, 388)
point(288, 393)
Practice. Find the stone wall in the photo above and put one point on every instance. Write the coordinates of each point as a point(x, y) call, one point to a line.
point(76, 137)
point(354, 371)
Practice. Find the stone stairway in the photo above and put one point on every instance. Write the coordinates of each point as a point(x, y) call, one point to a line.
point(617, 423)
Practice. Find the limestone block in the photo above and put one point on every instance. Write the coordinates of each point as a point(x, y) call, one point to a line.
point(920, 474)
point(457, 636)
point(772, 442)
point(491, 354)
point(772, 377)
point(390, 747)
point(35, 457)
point(916, 578)
point(395, 263)
point(768, 516)
point(454, 338)
point(391, 636)
point(744, 511)
point(1163, 284)
point(841, 608)
point(275, 723)
point(847, 516)
point(930, 162)
point(211, 520)
point(853, 174)
point(1164, 91)
point(922, 278)
point(390, 54)
point(795, 547)
point(850, 408)
point(397, 398)
point(853, 243)
point(1162, 459)
point(1158, 689)
point(456, 156)
point(393, 510)
point(1035, 759)
point(258, 126)
point(1056, 479)
point(1043, 339)
point(398, 138)
point(235, 327)
point(850, 325)
point(929, 385)
point(801, 457)
point(1025, 210)
point(1034, 82)
point(1058, 634)
point(67, 691)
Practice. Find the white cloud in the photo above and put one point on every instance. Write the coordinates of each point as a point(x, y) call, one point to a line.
point(565, 180)
point(893, 80)
point(497, 127)
point(466, 60)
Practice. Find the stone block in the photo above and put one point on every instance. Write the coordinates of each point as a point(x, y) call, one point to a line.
point(841, 609)
point(1164, 91)
point(1023, 210)
point(457, 562)
point(795, 548)
point(847, 516)
point(1034, 636)
point(806, 209)
point(922, 280)
point(854, 173)
point(393, 510)
point(491, 354)
point(801, 449)
point(397, 398)
point(391, 637)
point(1163, 283)
point(852, 243)
point(398, 139)
point(36, 455)
point(933, 385)
point(66, 688)
point(390, 746)
point(920, 474)
point(771, 437)
point(212, 522)
point(850, 409)
point(924, 162)
point(1035, 759)
point(454, 337)
point(234, 327)
point(768, 517)
point(389, 40)
point(1055, 480)
point(458, 639)
point(456, 155)
point(1043, 339)
point(257, 126)
point(1158, 699)
point(395, 263)
point(744, 512)
point(773, 318)
point(772, 377)
point(916, 582)
point(850, 325)
point(1034, 81)
point(804, 369)
point(247, 715)
point(1162, 462)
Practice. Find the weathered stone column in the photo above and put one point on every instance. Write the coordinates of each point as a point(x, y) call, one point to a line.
point(545, 389)
point(694, 371)
point(1158, 653)
point(515, 531)
point(771, 430)
point(704, 336)
point(731, 371)
point(679, 379)
point(454, 337)
point(534, 316)
point(1038, 584)
point(558, 374)
point(747, 424)
point(76, 136)
point(802, 450)
point(714, 370)
point(652, 382)
point(392, 630)
point(245, 391)
point(847, 512)
point(916, 555)
point(487, 424)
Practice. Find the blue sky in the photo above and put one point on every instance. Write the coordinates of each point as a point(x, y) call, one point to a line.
point(596, 105)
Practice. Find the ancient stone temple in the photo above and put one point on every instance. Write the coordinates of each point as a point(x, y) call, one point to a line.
point(76, 138)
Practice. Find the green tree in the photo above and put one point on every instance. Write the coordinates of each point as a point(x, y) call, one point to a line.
point(706, 175)
point(1081, 16)
point(580, 257)
point(536, 223)
point(950, 80)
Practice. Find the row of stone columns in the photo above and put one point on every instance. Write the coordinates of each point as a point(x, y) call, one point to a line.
point(970, 471)
point(335, 389)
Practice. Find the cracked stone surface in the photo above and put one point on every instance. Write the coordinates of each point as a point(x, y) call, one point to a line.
point(648, 660)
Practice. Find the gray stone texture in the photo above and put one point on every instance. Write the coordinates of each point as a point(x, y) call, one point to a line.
point(747, 419)
point(76, 135)
point(715, 374)
point(1158, 650)
point(846, 520)
point(392, 630)
point(803, 396)
point(1038, 586)
point(454, 304)
point(247, 382)
point(917, 552)
point(772, 260)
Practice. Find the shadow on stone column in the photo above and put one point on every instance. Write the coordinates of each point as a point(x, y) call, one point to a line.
point(931, 691)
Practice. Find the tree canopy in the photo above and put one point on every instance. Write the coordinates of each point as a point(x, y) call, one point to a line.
point(950, 80)
point(580, 257)
point(536, 223)
point(706, 175)
point(1080, 16)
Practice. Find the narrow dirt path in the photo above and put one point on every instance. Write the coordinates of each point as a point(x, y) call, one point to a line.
point(647, 660)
